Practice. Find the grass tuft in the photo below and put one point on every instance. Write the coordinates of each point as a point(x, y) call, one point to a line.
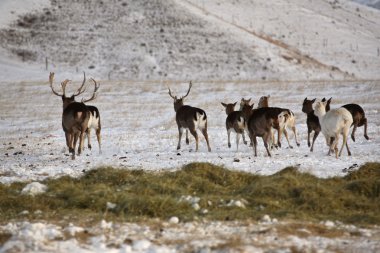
point(139, 195)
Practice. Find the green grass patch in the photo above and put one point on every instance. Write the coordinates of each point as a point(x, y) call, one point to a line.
point(141, 195)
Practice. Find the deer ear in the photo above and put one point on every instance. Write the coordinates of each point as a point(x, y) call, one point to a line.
point(224, 104)
point(235, 103)
point(323, 99)
point(313, 100)
point(305, 99)
point(328, 101)
point(268, 96)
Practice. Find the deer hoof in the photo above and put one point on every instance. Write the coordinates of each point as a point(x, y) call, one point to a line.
point(366, 136)
point(245, 142)
point(89, 147)
point(187, 141)
point(178, 147)
point(229, 145)
point(298, 144)
point(308, 144)
point(353, 138)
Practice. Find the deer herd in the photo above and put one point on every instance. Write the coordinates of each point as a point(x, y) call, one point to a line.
point(78, 119)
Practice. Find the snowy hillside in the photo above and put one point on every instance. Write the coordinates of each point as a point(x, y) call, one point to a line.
point(193, 39)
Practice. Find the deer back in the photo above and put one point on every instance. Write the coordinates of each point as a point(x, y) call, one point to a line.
point(75, 117)
point(190, 117)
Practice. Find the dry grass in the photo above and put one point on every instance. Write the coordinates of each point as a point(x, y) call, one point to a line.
point(141, 195)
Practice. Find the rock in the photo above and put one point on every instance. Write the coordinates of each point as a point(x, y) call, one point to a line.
point(266, 219)
point(34, 188)
point(174, 220)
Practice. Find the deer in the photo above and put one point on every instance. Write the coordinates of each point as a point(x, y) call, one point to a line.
point(288, 122)
point(358, 116)
point(244, 102)
point(236, 121)
point(94, 121)
point(334, 123)
point(75, 116)
point(261, 122)
point(190, 119)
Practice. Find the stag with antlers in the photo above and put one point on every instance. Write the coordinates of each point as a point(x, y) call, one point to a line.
point(75, 116)
point(189, 118)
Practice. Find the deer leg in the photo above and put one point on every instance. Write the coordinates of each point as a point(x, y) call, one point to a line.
point(81, 142)
point(180, 131)
point(204, 132)
point(345, 134)
point(287, 138)
point(316, 133)
point(245, 142)
point(365, 128)
point(308, 138)
point(69, 142)
point(237, 141)
point(254, 144)
point(335, 146)
point(194, 133)
point(88, 134)
point(98, 137)
point(266, 138)
point(295, 135)
point(187, 137)
point(74, 139)
point(229, 135)
point(279, 137)
point(353, 132)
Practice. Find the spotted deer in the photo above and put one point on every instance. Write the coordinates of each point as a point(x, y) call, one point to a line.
point(236, 121)
point(94, 121)
point(190, 119)
point(75, 116)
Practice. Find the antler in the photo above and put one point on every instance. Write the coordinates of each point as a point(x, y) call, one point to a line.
point(188, 91)
point(80, 91)
point(96, 87)
point(170, 94)
point(51, 79)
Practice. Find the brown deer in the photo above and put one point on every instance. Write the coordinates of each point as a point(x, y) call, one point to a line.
point(75, 116)
point(261, 122)
point(189, 118)
point(236, 120)
point(289, 121)
point(263, 102)
point(244, 102)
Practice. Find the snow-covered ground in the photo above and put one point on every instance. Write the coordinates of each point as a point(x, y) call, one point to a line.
point(139, 129)
point(329, 44)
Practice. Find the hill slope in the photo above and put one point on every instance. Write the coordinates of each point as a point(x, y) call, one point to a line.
point(180, 39)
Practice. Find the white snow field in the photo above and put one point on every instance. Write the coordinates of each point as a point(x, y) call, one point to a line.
point(289, 49)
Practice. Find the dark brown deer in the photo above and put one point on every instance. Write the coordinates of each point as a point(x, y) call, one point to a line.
point(358, 116)
point(236, 121)
point(189, 118)
point(312, 121)
point(75, 116)
point(260, 124)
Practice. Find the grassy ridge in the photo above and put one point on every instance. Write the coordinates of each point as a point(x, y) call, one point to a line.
point(137, 194)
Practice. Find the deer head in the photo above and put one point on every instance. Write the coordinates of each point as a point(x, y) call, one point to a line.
point(244, 102)
point(178, 102)
point(307, 106)
point(263, 102)
point(229, 107)
point(67, 100)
